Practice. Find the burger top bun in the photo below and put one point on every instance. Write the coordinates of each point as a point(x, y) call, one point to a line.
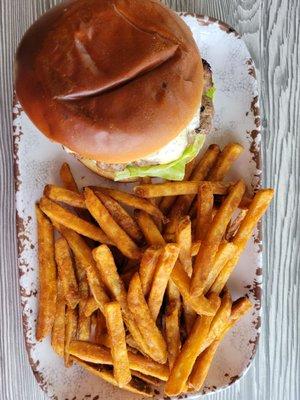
point(112, 80)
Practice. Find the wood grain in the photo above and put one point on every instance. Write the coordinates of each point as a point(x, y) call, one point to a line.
point(271, 30)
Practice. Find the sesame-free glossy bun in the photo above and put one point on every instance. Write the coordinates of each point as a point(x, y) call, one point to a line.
point(112, 80)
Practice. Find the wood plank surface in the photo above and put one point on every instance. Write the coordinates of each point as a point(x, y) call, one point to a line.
point(271, 29)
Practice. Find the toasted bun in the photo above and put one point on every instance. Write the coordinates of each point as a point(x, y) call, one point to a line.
point(113, 80)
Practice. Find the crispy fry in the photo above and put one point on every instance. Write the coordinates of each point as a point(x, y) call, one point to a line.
point(115, 233)
point(121, 217)
point(67, 178)
point(187, 356)
point(161, 277)
point(172, 332)
point(109, 275)
point(256, 210)
point(66, 272)
point(149, 229)
point(184, 241)
point(189, 317)
point(148, 266)
point(64, 217)
point(58, 331)
point(116, 331)
point(200, 304)
point(229, 154)
point(205, 203)
point(47, 276)
point(84, 322)
point(136, 385)
point(70, 333)
point(179, 188)
point(133, 201)
point(83, 253)
point(147, 326)
point(66, 196)
point(209, 247)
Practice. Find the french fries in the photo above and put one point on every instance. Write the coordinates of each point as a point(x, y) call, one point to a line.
point(47, 276)
point(66, 272)
point(64, 217)
point(146, 324)
point(116, 331)
point(154, 308)
point(124, 243)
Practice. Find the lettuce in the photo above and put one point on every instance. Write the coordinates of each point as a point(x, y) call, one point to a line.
point(210, 92)
point(173, 171)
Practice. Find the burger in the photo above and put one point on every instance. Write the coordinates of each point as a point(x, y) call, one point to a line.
point(120, 84)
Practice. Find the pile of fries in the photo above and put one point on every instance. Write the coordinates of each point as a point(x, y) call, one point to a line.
point(133, 286)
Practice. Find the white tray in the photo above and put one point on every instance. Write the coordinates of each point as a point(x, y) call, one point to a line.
point(37, 161)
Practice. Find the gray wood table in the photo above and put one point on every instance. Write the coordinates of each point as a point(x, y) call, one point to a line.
point(271, 29)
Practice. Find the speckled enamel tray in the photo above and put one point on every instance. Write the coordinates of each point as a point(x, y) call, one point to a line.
point(37, 162)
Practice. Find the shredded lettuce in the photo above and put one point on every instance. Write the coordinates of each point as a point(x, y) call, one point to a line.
point(172, 171)
point(210, 92)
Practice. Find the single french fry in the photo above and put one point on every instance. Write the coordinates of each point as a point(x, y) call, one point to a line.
point(58, 330)
point(136, 385)
point(205, 203)
point(84, 254)
point(67, 178)
point(185, 361)
point(64, 217)
point(161, 277)
point(179, 188)
point(66, 196)
point(147, 267)
point(70, 333)
point(133, 201)
point(66, 272)
point(109, 275)
point(101, 327)
point(184, 241)
point(47, 276)
point(209, 246)
point(146, 324)
point(256, 210)
point(115, 233)
point(172, 331)
point(84, 322)
point(116, 331)
point(229, 154)
point(90, 306)
point(183, 203)
point(199, 304)
point(121, 216)
point(149, 228)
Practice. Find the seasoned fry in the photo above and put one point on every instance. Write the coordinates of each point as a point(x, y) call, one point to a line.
point(179, 188)
point(149, 229)
point(133, 201)
point(136, 385)
point(146, 324)
point(209, 247)
point(66, 196)
point(148, 266)
point(70, 333)
point(256, 210)
point(183, 203)
point(83, 253)
point(172, 332)
point(116, 331)
point(121, 217)
point(205, 204)
point(115, 233)
point(64, 217)
point(67, 178)
point(84, 322)
point(200, 304)
point(58, 331)
point(66, 272)
point(161, 277)
point(184, 241)
point(185, 361)
point(47, 276)
point(229, 154)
